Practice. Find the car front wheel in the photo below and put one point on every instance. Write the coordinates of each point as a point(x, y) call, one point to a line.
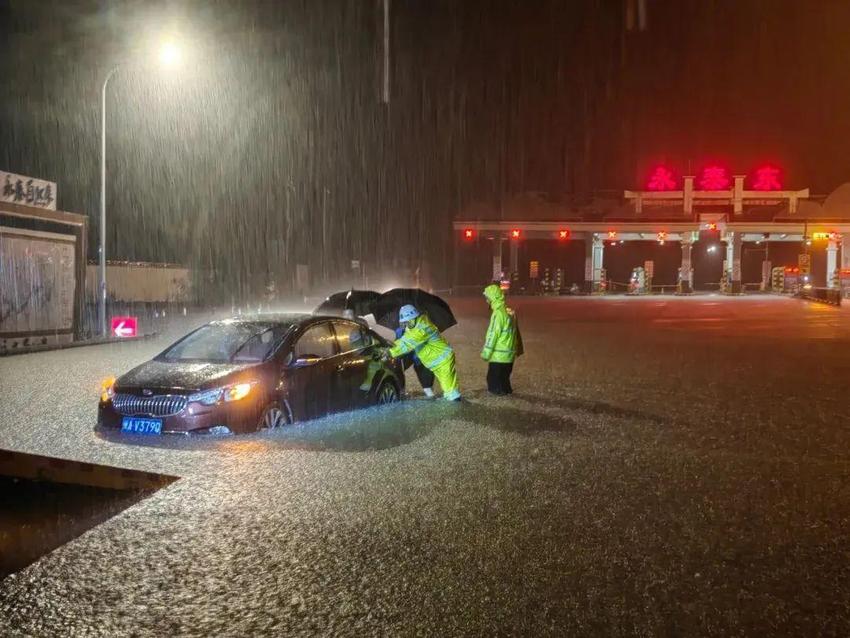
point(387, 393)
point(274, 416)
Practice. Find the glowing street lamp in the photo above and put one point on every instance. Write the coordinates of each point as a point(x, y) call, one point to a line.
point(169, 56)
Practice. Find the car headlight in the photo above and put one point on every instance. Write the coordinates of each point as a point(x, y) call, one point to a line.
point(107, 389)
point(227, 393)
point(207, 397)
point(236, 392)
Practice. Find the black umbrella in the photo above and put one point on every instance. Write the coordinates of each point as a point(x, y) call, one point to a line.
point(360, 302)
point(386, 308)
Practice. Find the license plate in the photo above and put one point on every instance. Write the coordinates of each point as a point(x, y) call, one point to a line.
point(137, 425)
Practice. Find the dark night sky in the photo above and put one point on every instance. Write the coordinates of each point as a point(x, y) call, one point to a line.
point(275, 121)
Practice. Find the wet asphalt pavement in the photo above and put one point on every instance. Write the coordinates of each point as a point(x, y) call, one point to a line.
point(668, 466)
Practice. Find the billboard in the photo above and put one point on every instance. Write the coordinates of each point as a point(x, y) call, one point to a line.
point(37, 282)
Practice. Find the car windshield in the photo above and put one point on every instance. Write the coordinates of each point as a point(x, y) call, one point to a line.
point(227, 342)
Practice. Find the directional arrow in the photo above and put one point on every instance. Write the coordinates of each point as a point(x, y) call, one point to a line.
point(121, 331)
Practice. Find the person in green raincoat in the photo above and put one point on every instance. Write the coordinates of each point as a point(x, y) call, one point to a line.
point(422, 337)
point(503, 343)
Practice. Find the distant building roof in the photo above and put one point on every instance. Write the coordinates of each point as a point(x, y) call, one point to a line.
point(535, 206)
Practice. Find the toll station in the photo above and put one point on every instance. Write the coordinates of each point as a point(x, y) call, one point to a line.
point(711, 231)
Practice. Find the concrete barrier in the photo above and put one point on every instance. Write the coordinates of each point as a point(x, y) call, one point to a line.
point(45, 468)
point(831, 296)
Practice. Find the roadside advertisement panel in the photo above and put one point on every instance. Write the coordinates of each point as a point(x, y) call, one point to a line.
point(37, 282)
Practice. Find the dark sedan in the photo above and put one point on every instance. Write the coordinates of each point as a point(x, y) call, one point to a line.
point(245, 374)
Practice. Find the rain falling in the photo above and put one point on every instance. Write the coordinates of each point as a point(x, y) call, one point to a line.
point(392, 317)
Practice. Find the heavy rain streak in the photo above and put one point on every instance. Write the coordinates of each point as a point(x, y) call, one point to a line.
point(444, 318)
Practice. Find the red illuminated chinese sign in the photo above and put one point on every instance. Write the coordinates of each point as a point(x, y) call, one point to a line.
point(767, 179)
point(661, 179)
point(714, 178)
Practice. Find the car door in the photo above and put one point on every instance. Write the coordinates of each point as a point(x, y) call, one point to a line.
point(355, 365)
point(311, 370)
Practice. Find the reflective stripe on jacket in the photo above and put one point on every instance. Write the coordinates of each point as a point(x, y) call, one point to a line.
point(422, 337)
point(500, 344)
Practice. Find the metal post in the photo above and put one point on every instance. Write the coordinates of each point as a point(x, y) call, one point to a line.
point(593, 255)
point(102, 264)
point(598, 254)
point(385, 89)
point(831, 264)
point(733, 261)
point(685, 271)
point(514, 255)
point(497, 258)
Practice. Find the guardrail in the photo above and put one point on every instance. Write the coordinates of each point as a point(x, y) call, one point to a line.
point(831, 296)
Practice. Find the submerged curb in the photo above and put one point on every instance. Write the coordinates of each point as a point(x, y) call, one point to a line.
point(8, 352)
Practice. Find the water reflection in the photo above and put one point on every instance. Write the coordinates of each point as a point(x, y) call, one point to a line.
point(379, 428)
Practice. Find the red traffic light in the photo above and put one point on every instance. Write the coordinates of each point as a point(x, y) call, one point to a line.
point(468, 234)
point(612, 234)
point(515, 233)
point(563, 234)
point(712, 226)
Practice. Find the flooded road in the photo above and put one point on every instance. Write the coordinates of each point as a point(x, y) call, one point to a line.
point(666, 466)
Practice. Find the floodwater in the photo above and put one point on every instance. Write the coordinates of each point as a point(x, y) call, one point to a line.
point(668, 465)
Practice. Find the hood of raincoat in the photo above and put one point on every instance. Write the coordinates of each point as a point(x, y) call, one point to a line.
point(494, 295)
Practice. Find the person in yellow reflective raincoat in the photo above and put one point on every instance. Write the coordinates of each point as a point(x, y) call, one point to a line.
point(422, 337)
point(503, 343)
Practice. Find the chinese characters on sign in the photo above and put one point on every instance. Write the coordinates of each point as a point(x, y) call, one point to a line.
point(19, 189)
point(767, 179)
point(714, 178)
point(661, 180)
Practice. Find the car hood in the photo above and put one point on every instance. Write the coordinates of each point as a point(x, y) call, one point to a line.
point(174, 375)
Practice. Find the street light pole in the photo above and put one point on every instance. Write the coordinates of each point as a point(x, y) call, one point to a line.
point(102, 267)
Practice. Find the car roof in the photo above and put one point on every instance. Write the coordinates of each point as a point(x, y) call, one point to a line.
point(272, 320)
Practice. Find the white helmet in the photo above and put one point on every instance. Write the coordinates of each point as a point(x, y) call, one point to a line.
point(407, 313)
